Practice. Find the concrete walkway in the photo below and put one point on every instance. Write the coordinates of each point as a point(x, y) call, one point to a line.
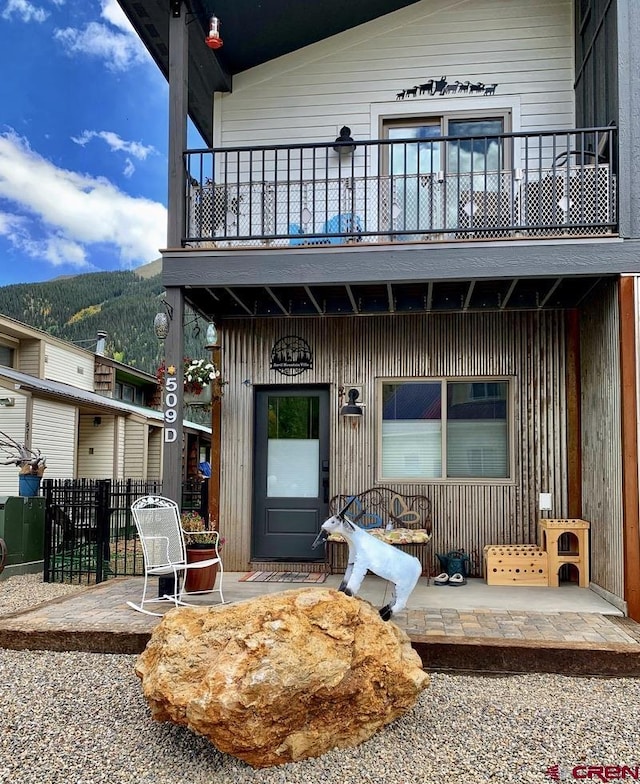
point(474, 627)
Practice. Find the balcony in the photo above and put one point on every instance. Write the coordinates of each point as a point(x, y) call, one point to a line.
point(450, 189)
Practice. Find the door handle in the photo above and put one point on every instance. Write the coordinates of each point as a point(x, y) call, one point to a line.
point(325, 487)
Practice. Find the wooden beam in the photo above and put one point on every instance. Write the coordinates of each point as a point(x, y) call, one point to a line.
point(178, 108)
point(172, 399)
point(629, 407)
point(216, 444)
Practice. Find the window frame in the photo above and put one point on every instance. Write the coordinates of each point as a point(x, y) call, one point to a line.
point(380, 382)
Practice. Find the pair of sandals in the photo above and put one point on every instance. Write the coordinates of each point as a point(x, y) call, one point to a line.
point(445, 579)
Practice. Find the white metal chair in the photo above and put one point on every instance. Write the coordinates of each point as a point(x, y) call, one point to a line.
point(157, 521)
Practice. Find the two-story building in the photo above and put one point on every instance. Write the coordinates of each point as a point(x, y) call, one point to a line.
point(92, 417)
point(422, 214)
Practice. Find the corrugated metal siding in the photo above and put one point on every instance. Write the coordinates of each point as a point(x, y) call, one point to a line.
point(68, 367)
point(602, 438)
point(307, 95)
point(529, 347)
point(53, 432)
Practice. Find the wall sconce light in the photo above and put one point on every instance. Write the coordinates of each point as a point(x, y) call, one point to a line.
point(213, 40)
point(97, 421)
point(7, 402)
point(351, 408)
point(342, 146)
point(211, 339)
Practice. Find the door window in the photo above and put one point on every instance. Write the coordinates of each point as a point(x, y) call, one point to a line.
point(293, 447)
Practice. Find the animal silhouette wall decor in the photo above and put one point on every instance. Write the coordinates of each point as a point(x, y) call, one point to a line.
point(442, 87)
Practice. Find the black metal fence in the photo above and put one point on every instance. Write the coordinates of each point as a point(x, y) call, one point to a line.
point(89, 531)
point(555, 183)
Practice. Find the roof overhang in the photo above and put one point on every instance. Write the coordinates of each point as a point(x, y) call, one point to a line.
point(401, 279)
point(253, 34)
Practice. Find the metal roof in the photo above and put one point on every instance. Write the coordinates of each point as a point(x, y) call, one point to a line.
point(92, 400)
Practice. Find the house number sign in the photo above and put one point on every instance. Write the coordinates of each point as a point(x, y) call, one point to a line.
point(170, 404)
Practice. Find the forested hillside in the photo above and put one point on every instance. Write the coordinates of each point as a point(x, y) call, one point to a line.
point(123, 304)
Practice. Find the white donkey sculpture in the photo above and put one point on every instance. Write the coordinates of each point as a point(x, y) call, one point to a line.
point(366, 553)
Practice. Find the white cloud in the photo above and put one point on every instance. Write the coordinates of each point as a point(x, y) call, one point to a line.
point(24, 11)
point(115, 143)
point(112, 12)
point(119, 51)
point(129, 168)
point(58, 215)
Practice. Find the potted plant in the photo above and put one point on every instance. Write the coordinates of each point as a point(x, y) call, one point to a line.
point(201, 546)
point(31, 462)
point(200, 378)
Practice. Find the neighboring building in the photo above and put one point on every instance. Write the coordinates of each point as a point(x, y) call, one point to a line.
point(433, 204)
point(49, 399)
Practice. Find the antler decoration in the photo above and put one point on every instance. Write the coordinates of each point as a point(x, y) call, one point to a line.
point(20, 454)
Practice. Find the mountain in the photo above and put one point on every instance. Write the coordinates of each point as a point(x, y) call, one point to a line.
point(122, 304)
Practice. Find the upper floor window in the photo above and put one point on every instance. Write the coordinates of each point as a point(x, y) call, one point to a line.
point(428, 155)
point(445, 429)
point(6, 356)
point(129, 393)
point(431, 180)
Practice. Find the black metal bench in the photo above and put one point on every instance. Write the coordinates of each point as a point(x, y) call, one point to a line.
point(397, 518)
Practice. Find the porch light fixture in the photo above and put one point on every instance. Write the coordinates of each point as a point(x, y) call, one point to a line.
point(342, 146)
point(213, 40)
point(211, 339)
point(352, 409)
point(97, 421)
point(161, 325)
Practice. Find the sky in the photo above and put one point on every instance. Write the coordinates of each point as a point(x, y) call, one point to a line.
point(83, 141)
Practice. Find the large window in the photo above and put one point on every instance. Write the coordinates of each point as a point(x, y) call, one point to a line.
point(431, 178)
point(445, 429)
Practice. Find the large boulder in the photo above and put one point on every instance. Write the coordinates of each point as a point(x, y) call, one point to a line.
point(281, 677)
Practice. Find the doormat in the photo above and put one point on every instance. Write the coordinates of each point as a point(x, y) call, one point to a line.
point(283, 577)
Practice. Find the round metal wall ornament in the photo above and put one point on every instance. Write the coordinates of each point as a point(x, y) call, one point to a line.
point(291, 356)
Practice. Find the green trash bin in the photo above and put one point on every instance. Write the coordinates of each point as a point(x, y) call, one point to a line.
point(22, 528)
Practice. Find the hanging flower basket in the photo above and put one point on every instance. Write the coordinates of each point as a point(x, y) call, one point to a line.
point(201, 397)
point(201, 381)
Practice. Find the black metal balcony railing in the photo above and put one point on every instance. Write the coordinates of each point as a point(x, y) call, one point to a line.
point(454, 188)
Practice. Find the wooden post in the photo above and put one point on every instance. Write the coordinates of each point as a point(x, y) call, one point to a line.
point(216, 410)
point(172, 470)
point(629, 407)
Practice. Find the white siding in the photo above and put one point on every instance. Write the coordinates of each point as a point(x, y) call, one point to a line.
point(29, 357)
point(69, 367)
point(96, 448)
point(13, 423)
point(135, 451)
point(53, 432)
point(154, 465)
point(308, 95)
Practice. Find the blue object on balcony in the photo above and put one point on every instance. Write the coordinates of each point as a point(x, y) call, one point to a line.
point(340, 224)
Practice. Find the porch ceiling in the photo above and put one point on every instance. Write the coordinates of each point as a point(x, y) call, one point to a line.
point(253, 33)
point(380, 298)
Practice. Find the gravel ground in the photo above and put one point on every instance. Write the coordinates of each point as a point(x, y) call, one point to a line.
point(76, 717)
point(27, 590)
